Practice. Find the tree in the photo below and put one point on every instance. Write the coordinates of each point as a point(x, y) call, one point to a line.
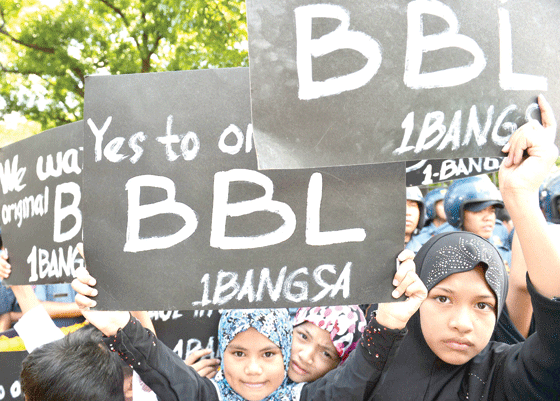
point(46, 53)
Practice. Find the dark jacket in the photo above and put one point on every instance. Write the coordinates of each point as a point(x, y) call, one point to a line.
point(172, 380)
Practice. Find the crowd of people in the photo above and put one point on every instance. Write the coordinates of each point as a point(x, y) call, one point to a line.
point(481, 277)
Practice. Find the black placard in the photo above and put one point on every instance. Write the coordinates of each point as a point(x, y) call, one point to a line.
point(426, 172)
point(187, 331)
point(10, 368)
point(177, 217)
point(41, 192)
point(350, 82)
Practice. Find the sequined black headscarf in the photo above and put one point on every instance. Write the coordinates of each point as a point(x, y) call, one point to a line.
point(416, 373)
point(456, 252)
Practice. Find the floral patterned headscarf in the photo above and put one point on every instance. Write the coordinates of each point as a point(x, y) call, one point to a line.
point(275, 325)
point(344, 323)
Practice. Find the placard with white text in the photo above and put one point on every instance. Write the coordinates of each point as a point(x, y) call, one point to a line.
point(348, 82)
point(177, 217)
point(41, 216)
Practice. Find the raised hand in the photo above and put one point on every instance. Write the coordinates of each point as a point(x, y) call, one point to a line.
point(83, 284)
point(395, 315)
point(204, 367)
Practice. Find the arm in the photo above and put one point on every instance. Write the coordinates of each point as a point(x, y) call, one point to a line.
point(363, 368)
point(35, 327)
point(519, 183)
point(360, 374)
point(61, 309)
point(5, 267)
point(530, 370)
point(518, 300)
point(144, 319)
point(158, 366)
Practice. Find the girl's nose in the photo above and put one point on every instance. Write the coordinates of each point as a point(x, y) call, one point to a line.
point(306, 355)
point(253, 368)
point(462, 320)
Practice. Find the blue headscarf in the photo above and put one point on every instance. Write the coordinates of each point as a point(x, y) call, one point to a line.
point(274, 324)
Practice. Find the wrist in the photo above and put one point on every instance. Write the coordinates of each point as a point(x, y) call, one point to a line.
point(118, 320)
point(388, 321)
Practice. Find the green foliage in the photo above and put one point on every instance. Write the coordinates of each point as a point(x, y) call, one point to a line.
point(46, 53)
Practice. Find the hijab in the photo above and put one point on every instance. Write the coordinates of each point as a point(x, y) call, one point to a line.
point(415, 372)
point(345, 325)
point(275, 325)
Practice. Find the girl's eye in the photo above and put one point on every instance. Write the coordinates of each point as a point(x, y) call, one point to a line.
point(484, 306)
point(269, 354)
point(238, 354)
point(327, 355)
point(442, 299)
point(303, 336)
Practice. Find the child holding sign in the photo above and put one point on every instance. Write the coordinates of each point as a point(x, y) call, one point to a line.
point(255, 362)
point(447, 354)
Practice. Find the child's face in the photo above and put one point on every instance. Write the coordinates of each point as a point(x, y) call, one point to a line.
point(313, 353)
point(481, 223)
point(253, 365)
point(440, 210)
point(458, 317)
point(412, 216)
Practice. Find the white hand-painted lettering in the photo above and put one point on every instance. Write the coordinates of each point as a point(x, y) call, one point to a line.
point(222, 210)
point(418, 44)
point(313, 234)
point(508, 79)
point(137, 149)
point(168, 140)
point(28, 207)
point(341, 38)
point(137, 212)
point(44, 265)
point(99, 133)
point(189, 143)
point(66, 162)
point(194, 344)
point(287, 287)
point(15, 390)
point(61, 213)
point(433, 131)
point(11, 176)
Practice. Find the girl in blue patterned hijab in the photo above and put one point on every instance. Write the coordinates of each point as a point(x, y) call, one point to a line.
point(255, 348)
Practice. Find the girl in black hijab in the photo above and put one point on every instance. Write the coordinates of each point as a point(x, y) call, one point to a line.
point(445, 353)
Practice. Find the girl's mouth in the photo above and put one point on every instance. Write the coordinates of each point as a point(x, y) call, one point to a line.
point(458, 345)
point(254, 385)
point(298, 369)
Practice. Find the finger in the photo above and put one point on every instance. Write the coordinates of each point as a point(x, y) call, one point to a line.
point(83, 302)
point(196, 355)
point(205, 364)
point(547, 114)
point(402, 271)
point(405, 255)
point(416, 290)
point(519, 143)
point(410, 278)
point(83, 288)
point(5, 269)
point(83, 276)
point(208, 372)
point(80, 248)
